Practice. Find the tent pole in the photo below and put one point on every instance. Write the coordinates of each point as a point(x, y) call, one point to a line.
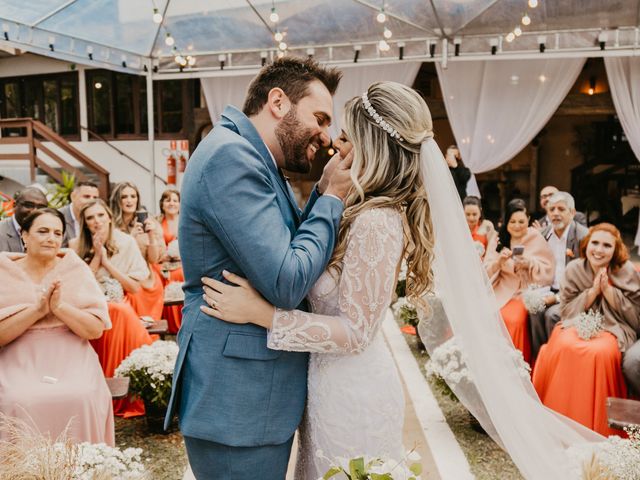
point(151, 135)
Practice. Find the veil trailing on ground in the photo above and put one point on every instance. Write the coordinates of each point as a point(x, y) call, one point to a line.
point(493, 387)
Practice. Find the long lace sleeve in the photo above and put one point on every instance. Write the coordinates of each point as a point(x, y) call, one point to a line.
point(365, 286)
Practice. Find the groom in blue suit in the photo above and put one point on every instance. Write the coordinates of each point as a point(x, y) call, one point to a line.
point(238, 402)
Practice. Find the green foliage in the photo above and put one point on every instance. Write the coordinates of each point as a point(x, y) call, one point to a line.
point(60, 193)
point(401, 288)
point(371, 470)
point(156, 392)
point(408, 315)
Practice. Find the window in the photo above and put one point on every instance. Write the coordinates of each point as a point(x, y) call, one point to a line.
point(52, 99)
point(118, 105)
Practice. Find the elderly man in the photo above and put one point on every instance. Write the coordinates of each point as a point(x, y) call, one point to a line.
point(564, 235)
point(83, 193)
point(27, 200)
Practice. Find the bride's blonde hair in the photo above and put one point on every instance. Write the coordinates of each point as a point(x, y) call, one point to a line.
point(386, 173)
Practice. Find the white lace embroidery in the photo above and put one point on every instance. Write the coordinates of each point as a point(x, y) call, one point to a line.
point(355, 403)
point(365, 288)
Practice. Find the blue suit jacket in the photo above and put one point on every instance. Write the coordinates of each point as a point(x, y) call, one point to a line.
point(238, 214)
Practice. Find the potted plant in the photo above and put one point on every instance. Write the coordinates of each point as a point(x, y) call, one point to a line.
point(150, 372)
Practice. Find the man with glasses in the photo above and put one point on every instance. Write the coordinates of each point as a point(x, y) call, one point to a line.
point(27, 200)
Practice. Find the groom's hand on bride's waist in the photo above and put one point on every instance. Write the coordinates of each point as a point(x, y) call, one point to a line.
point(338, 172)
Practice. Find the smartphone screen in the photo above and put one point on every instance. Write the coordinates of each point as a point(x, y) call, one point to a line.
point(142, 215)
point(517, 250)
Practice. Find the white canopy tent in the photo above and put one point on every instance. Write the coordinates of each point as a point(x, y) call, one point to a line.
point(123, 35)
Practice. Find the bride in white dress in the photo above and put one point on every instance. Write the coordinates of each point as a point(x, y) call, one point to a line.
point(355, 400)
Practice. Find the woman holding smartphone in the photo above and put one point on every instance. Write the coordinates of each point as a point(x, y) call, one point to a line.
point(518, 257)
point(128, 217)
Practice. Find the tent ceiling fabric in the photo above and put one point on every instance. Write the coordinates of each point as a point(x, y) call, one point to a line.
point(123, 35)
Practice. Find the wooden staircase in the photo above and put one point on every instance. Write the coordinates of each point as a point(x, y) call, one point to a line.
point(33, 134)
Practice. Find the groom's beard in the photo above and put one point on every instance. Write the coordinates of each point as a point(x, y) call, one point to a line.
point(294, 141)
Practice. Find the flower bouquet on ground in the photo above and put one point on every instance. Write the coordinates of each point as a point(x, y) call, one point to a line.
point(408, 315)
point(369, 468)
point(26, 454)
point(150, 372)
point(614, 459)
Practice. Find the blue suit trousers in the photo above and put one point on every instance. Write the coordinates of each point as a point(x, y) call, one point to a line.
point(213, 461)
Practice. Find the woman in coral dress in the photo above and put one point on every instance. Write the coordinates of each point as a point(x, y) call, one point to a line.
point(171, 266)
point(481, 229)
point(511, 272)
point(115, 259)
point(125, 204)
point(575, 376)
point(50, 306)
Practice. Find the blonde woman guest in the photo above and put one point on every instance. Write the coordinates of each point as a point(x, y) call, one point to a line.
point(115, 259)
point(510, 274)
point(125, 202)
point(50, 306)
point(575, 376)
point(171, 265)
point(349, 301)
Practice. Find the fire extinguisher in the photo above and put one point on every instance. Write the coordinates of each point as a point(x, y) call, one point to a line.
point(171, 169)
point(182, 163)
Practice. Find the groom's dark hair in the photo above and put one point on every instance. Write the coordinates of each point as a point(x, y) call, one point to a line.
point(292, 75)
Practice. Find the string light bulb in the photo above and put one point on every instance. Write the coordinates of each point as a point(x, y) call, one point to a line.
point(383, 46)
point(526, 19)
point(191, 60)
point(533, 3)
point(274, 17)
point(381, 18)
point(510, 37)
point(517, 31)
point(169, 41)
point(157, 16)
point(282, 46)
point(278, 37)
point(387, 33)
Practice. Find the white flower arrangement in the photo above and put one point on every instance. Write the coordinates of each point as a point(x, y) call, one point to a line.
point(150, 371)
point(616, 458)
point(533, 298)
point(173, 291)
point(112, 289)
point(26, 453)
point(589, 324)
point(102, 461)
point(448, 366)
point(365, 467)
point(173, 250)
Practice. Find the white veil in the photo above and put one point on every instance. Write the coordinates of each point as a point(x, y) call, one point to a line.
point(500, 397)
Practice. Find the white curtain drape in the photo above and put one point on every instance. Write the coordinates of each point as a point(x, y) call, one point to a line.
point(624, 81)
point(496, 107)
point(222, 91)
point(356, 78)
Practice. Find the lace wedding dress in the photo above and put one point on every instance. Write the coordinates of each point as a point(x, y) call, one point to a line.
point(355, 403)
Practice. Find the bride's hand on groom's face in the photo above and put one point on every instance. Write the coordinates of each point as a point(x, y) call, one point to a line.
point(236, 303)
point(340, 180)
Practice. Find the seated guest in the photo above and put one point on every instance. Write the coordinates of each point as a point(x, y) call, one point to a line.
point(125, 203)
point(631, 368)
point(511, 272)
point(169, 219)
point(575, 376)
point(563, 235)
point(116, 262)
point(481, 229)
point(543, 220)
point(83, 192)
point(26, 201)
point(50, 306)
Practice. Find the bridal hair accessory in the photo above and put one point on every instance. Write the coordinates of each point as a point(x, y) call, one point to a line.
point(379, 120)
